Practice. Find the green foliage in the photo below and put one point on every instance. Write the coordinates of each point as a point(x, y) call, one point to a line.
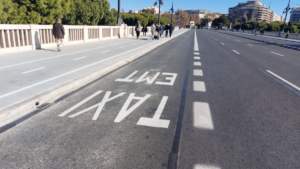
point(144, 18)
point(221, 22)
point(204, 22)
point(146, 11)
point(8, 12)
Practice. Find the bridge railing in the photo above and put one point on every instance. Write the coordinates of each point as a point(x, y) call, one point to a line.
point(15, 37)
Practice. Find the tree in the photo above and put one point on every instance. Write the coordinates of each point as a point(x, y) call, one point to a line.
point(130, 12)
point(204, 22)
point(220, 22)
point(146, 11)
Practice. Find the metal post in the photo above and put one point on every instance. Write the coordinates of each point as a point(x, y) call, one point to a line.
point(287, 9)
point(120, 21)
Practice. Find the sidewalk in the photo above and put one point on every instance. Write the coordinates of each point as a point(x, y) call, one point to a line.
point(40, 77)
point(288, 43)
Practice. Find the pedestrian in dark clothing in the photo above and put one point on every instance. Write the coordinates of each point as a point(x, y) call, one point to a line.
point(171, 30)
point(167, 29)
point(162, 29)
point(287, 34)
point(138, 29)
point(144, 30)
point(58, 33)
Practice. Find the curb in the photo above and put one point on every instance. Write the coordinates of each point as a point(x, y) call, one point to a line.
point(28, 105)
point(272, 43)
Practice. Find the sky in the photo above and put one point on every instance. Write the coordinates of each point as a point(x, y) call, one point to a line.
point(210, 5)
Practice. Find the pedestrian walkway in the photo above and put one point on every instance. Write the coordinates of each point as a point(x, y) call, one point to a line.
point(30, 74)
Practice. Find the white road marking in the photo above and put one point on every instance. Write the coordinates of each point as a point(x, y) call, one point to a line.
point(249, 45)
point(222, 43)
point(127, 79)
point(124, 112)
point(202, 116)
point(172, 79)
point(196, 48)
point(33, 70)
point(277, 54)
point(155, 121)
point(105, 51)
point(58, 56)
point(70, 72)
point(149, 81)
point(196, 53)
point(197, 58)
point(133, 43)
point(203, 166)
point(215, 39)
point(287, 82)
point(198, 72)
point(122, 46)
point(197, 63)
point(79, 104)
point(199, 86)
point(79, 58)
point(235, 51)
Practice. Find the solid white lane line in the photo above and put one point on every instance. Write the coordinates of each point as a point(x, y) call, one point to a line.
point(197, 63)
point(249, 45)
point(277, 54)
point(222, 43)
point(79, 58)
point(199, 86)
point(198, 72)
point(202, 116)
point(33, 70)
point(196, 53)
point(196, 48)
point(235, 51)
point(197, 58)
point(289, 83)
point(105, 51)
point(73, 71)
point(58, 56)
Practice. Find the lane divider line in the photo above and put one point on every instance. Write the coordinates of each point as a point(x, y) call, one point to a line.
point(33, 70)
point(287, 82)
point(235, 52)
point(277, 54)
point(249, 45)
point(79, 58)
point(105, 51)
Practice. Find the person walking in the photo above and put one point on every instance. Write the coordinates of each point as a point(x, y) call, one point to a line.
point(152, 30)
point(138, 29)
point(171, 30)
point(144, 30)
point(58, 33)
point(167, 29)
point(162, 29)
point(287, 34)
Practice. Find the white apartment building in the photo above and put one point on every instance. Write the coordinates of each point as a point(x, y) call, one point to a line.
point(277, 18)
point(156, 10)
point(199, 13)
point(295, 14)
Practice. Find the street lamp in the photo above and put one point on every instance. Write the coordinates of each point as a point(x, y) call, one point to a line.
point(160, 2)
point(171, 11)
point(286, 11)
point(120, 21)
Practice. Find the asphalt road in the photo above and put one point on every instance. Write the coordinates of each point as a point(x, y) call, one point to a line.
point(213, 101)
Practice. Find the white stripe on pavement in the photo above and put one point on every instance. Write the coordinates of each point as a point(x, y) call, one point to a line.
point(105, 51)
point(196, 48)
point(199, 86)
point(196, 53)
point(79, 58)
point(277, 54)
point(249, 45)
point(235, 51)
point(198, 72)
point(222, 44)
point(197, 63)
point(289, 83)
point(33, 70)
point(202, 116)
point(197, 58)
point(122, 47)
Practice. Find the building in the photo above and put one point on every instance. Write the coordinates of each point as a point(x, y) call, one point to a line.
point(199, 13)
point(277, 18)
point(251, 10)
point(155, 10)
point(295, 14)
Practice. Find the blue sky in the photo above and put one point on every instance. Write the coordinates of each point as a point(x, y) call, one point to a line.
point(211, 5)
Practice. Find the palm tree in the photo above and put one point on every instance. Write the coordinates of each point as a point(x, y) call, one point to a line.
point(160, 2)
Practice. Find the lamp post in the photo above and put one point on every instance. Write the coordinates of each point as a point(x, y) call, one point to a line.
point(160, 2)
point(286, 11)
point(171, 11)
point(120, 21)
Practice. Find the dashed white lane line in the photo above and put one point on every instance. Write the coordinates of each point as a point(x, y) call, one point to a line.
point(122, 47)
point(277, 54)
point(197, 63)
point(196, 48)
point(199, 86)
point(289, 83)
point(235, 52)
point(204, 166)
point(58, 56)
point(202, 116)
point(79, 58)
point(196, 53)
point(249, 44)
point(33, 70)
point(198, 72)
point(105, 51)
point(197, 58)
point(222, 44)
